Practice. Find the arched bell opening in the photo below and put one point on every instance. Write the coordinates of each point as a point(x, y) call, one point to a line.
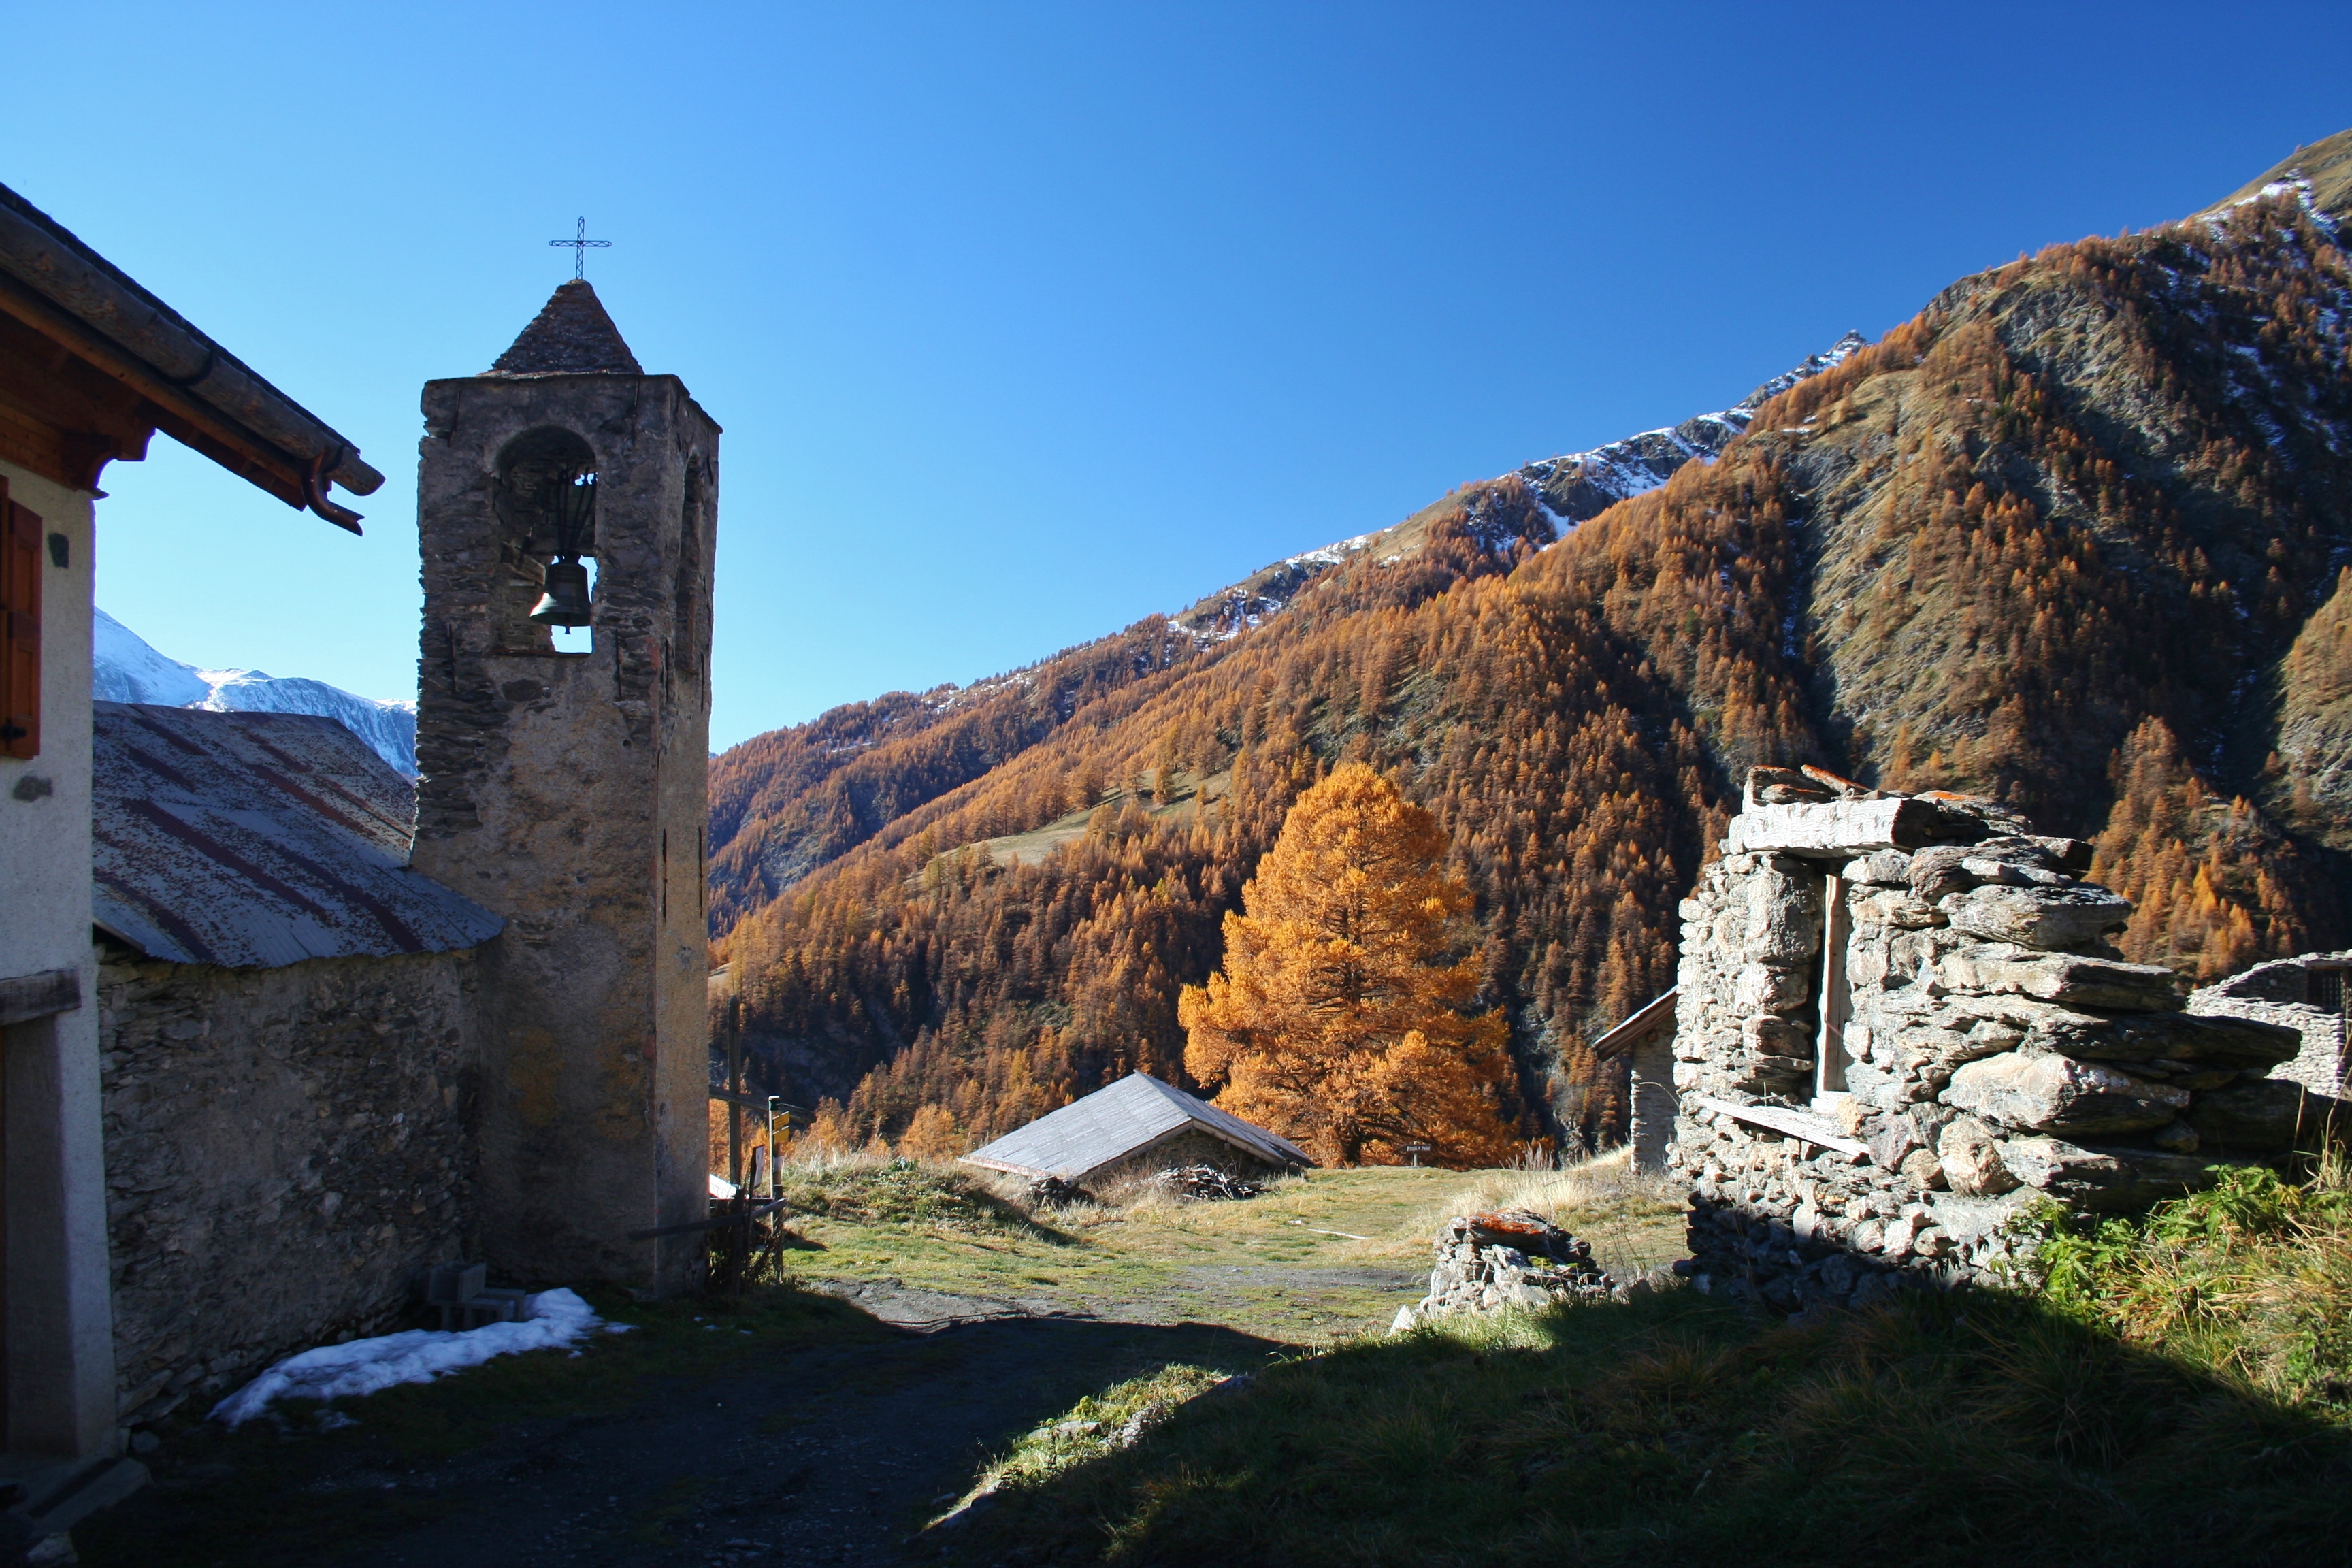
point(545, 497)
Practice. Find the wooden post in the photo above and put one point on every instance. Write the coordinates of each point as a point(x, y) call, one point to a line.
point(737, 1240)
point(1836, 999)
point(735, 1106)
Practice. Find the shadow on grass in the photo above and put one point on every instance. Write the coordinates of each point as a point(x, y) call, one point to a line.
point(623, 1438)
point(1965, 1427)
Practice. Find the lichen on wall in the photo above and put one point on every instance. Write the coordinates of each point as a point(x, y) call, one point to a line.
point(288, 1150)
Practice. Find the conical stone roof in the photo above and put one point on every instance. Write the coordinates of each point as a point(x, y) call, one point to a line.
point(572, 336)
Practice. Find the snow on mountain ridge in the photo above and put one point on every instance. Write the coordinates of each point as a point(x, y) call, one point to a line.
point(125, 668)
point(1571, 488)
point(1580, 486)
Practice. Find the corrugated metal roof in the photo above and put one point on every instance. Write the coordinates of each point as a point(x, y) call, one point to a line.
point(1115, 1122)
point(254, 840)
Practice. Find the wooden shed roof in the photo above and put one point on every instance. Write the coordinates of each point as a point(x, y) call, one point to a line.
point(1119, 1121)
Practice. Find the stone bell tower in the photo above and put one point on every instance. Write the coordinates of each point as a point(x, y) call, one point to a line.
point(566, 790)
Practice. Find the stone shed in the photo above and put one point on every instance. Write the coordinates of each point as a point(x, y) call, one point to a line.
point(1899, 1019)
point(1133, 1127)
point(1645, 1043)
point(2310, 994)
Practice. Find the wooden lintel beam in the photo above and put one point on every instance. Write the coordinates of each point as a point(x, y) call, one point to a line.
point(27, 997)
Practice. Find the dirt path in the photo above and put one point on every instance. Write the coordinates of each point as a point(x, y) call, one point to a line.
point(820, 1423)
point(834, 1455)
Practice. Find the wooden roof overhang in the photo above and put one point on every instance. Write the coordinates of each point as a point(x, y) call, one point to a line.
point(91, 365)
point(1655, 1015)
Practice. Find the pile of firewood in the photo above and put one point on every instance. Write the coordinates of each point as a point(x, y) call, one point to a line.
point(1205, 1182)
point(1053, 1191)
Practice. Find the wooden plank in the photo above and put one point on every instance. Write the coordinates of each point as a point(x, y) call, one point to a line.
point(1849, 826)
point(746, 1217)
point(1789, 1123)
point(1836, 995)
point(28, 996)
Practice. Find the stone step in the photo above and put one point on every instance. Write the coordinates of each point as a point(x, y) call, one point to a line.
point(59, 1496)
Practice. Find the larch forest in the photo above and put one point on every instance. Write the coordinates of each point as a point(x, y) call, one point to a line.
point(2074, 536)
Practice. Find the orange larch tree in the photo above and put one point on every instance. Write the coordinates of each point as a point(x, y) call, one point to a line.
point(1337, 1020)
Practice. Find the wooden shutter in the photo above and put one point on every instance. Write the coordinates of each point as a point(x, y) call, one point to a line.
point(20, 639)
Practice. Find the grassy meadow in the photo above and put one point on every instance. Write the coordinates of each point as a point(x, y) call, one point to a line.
point(2172, 1391)
point(1216, 1382)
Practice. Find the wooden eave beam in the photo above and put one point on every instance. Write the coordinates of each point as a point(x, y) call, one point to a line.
point(91, 414)
point(186, 418)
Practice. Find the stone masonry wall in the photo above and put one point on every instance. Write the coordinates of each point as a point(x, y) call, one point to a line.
point(568, 793)
point(1987, 1046)
point(2280, 992)
point(1190, 1147)
point(287, 1151)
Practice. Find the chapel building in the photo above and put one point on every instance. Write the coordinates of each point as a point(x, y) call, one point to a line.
point(285, 1029)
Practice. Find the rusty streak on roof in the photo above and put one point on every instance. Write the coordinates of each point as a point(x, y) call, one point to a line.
point(254, 840)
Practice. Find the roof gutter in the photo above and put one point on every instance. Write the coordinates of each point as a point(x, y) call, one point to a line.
point(172, 364)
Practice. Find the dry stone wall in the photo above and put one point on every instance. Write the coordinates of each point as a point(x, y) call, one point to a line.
point(1508, 1258)
point(2306, 994)
point(287, 1151)
point(1900, 1019)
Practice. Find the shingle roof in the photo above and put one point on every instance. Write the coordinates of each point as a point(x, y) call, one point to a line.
point(571, 335)
point(1119, 1121)
point(254, 840)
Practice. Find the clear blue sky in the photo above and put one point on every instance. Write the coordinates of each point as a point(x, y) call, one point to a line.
point(1026, 320)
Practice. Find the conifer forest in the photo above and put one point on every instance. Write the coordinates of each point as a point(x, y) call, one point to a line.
point(2074, 537)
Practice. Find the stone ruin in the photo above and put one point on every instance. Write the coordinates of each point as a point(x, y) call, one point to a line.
point(2308, 994)
point(1490, 1262)
point(1900, 1020)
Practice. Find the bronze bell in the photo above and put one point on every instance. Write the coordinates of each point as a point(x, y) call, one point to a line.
point(565, 603)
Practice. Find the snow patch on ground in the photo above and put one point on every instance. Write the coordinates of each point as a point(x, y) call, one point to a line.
point(554, 1320)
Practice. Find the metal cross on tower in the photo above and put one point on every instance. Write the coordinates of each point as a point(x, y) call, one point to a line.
point(580, 244)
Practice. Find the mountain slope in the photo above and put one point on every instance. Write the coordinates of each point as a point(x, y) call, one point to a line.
point(788, 802)
point(2071, 537)
point(125, 668)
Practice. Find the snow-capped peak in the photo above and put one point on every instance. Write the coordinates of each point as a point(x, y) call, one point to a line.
point(1580, 486)
point(125, 668)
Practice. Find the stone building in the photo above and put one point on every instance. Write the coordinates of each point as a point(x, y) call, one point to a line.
point(286, 1041)
point(282, 1030)
point(567, 791)
point(1132, 1128)
point(352, 1027)
point(2309, 994)
point(1899, 1019)
point(1645, 1043)
point(92, 366)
